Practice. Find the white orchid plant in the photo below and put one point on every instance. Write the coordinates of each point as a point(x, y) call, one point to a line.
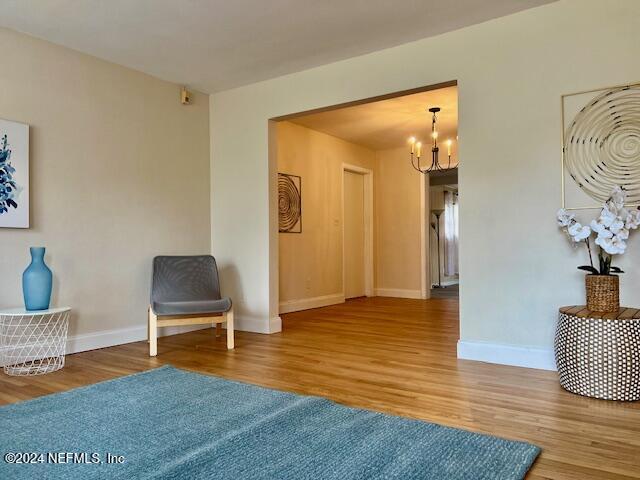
point(611, 230)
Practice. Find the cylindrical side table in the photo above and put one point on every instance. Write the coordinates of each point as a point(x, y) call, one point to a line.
point(598, 354)
point(33, 342)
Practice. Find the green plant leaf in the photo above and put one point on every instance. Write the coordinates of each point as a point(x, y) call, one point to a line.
point(588, 268)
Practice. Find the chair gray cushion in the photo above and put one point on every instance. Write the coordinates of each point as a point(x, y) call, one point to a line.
point(192, 306)
point(183, 285)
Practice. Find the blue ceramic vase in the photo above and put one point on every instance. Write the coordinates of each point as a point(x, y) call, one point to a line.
point(37, 280)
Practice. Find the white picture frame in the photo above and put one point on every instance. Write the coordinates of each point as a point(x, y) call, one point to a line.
point(14, 174)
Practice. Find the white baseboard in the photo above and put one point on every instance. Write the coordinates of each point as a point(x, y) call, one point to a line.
point(120, 336)
point(529, 357)
point(398, 293)
point(105, 338)
point(314, 302)
point(247, 323)
point(275, 324)
point(109, 338)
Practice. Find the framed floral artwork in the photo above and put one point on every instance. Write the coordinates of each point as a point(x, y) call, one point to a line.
point(14, 174)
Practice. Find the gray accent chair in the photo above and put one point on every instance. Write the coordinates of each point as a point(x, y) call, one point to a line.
point(185, 290)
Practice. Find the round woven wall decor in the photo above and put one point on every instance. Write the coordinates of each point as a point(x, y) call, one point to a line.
point(602, 146)
point(289, 203)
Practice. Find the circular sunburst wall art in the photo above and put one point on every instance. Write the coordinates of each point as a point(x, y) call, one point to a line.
point(602, 144)
point(289, 203)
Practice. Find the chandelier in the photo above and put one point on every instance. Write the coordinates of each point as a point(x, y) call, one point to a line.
point(416, 149)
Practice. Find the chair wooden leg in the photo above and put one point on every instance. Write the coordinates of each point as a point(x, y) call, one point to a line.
point(230, 336)
point(153, 333)
point(218, 329)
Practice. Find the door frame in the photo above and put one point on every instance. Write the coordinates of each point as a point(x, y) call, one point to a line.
point(425, 245)
point(368, 226)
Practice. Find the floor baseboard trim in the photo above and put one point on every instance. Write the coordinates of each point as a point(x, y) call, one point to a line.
point(275, 324)
point(314, 302)
point(528, 357)
point(248, 323)
point(120, 336)
point(110, 338)
point(398, 293)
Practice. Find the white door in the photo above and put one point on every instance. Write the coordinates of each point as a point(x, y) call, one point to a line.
point(353, 235)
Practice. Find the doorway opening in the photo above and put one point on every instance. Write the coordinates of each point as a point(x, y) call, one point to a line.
point(358, 215)
point(444, 269)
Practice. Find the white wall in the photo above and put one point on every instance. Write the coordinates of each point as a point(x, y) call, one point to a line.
point(515, 265)
point(119, 174)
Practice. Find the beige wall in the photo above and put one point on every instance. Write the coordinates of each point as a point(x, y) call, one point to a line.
point(515, 265)
point(311, 262)
point(398, 247)
point(119, 173)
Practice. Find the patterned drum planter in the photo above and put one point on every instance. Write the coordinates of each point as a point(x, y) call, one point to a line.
point(598, 354)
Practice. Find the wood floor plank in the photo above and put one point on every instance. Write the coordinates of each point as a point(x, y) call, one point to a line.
point(396, 356)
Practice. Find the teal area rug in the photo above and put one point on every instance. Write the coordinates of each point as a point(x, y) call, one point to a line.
point(173, 424)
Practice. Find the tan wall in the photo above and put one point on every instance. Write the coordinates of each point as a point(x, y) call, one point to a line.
point(119, 173)
point(311, 262)
point(397, 191)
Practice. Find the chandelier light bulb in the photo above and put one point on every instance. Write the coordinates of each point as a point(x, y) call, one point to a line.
point(412, 142)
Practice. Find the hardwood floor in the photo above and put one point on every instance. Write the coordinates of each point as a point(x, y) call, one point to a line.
point(396, 356)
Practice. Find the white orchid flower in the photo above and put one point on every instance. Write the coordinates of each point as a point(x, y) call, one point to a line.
point(633, 220)
point(578, 232)
point(619, 244)
point(606, 244)
point(600, 229)
point(607, 217)
point(564, 218)
point(612, 245)
point(605, 234)
point(612, 229)
point(616, 226)
point(623, 213)
point(611, 207)
point(618, 196)
point(623, 234)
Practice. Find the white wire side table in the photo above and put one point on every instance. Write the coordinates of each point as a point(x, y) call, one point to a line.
point(33, 342)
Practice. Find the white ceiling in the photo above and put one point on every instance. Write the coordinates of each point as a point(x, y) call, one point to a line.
point(212, 45)
point(389, 123)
